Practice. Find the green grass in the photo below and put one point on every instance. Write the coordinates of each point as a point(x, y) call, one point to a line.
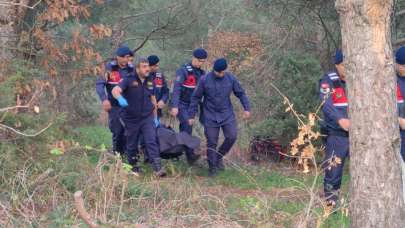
point(241, 203)
point(94, 136)
point(337, 220)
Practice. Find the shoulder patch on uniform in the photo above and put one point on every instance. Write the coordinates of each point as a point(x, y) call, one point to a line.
point(178, 78)
point(149, 84)
point(333, 76)
point(107, 75)
point(189, 68)
point(325, 88)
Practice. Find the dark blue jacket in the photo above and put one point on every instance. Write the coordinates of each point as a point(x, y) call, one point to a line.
point(401, 105)
point(161, 88)
point(333, 93)
point(138, 95)
point(217, 105)
point(111, 78)
point(186, 81)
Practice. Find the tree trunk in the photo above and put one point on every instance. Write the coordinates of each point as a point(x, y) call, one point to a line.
point(376, 184)
point(403, 180)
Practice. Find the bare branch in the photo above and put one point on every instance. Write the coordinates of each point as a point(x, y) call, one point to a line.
point(5, 127)
point(148, 13)
point(13, 108)
point(79, 203)
point(145, 39)
point(8, 3)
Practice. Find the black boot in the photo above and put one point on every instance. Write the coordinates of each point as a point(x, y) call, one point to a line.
point(136, 171)
point(192, 158)
point(158, 171)
point(220, 164)
point(212, 163)
point(212, 171)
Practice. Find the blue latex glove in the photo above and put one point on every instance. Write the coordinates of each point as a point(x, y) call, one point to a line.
point(156, 121)
point(122, 101)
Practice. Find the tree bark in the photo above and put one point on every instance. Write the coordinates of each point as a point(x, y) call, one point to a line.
point(376, 184)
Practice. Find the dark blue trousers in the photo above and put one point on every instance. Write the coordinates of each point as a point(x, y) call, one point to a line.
point(184, 126)
point(117, 130)
point(336, 147)
point(230, 132)
point(133, 130)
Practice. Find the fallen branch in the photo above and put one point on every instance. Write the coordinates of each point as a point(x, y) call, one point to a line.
point(8, 3)
point(2, 126)
point(13, 107)
point(36, 94)
point(79, 203)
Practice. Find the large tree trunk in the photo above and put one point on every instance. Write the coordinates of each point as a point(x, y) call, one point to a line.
point(376, 184)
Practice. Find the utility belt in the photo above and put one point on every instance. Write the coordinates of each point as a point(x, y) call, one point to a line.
point(334, 132)
point(185, 94)
point(327, 131)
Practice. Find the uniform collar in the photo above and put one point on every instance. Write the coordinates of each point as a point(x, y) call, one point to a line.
point(216, 77)
point(137, 77)
point(194, 68)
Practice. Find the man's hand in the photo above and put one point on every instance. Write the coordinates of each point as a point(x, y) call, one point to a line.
point(174, 112)
point(161, 104)
point(344, 124)
point(106, 105)
point(246, 115)
point(191, 122)
point(401, 123)
point(156, 121)
point(122, 101)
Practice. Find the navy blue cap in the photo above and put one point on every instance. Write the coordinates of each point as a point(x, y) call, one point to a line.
point(220, 65)
point(123, 51)
point(153, 60)
point(338, 56)
point(400, 55)
point(200, 53)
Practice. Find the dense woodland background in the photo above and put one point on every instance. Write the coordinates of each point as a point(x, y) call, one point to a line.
point(51, 52)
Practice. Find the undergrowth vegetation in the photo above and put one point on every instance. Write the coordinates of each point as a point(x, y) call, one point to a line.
point(39, 190)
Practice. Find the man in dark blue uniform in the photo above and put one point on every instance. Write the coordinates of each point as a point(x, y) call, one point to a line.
point(115, 70)
point(186, 81)
point(400, 68)
point(335, 109)
point(215, 89)
point(136, 95)
point(159, 80)
point(161, 92)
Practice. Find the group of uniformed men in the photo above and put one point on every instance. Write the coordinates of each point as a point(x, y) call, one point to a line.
point(336, 121)
point(135, 95)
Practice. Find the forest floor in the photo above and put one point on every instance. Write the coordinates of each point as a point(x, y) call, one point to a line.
point(246, 194)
